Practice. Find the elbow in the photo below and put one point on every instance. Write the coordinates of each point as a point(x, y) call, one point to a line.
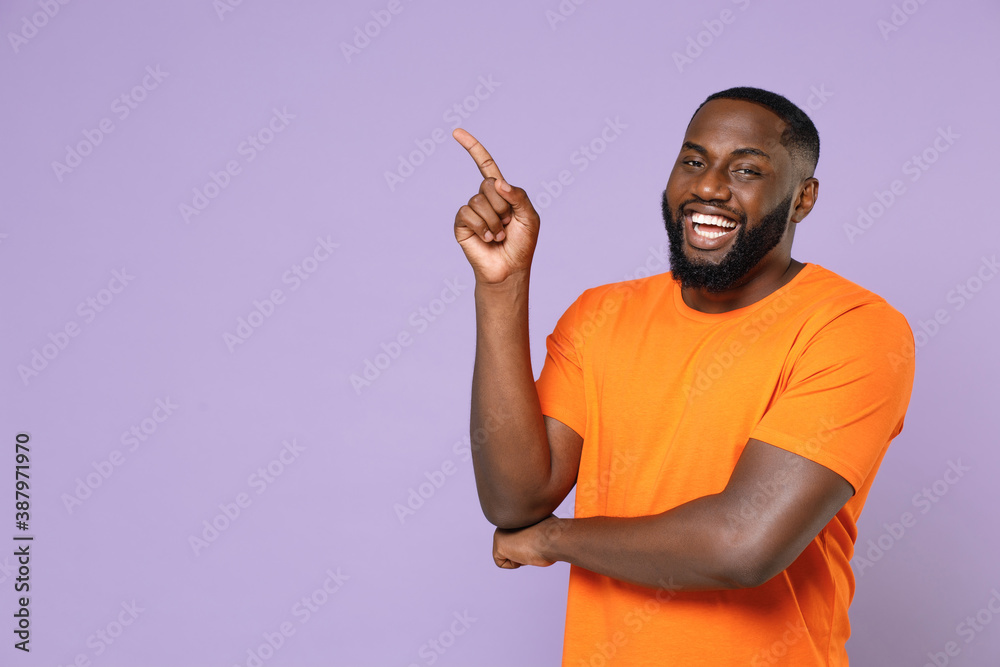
point(747, 563)
point(511, 514)
point(500, 517)
point(749, 573)
point(512, 518)
point(513, 510)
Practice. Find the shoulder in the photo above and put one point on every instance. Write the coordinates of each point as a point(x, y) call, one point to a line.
point(829, 296)
point(602, 310)
point(610, 298)
point(846, 322)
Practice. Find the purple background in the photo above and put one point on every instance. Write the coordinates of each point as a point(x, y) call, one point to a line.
point(878, 96)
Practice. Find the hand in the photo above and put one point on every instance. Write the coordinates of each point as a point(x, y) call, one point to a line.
point(498, 228)
point(526, 546)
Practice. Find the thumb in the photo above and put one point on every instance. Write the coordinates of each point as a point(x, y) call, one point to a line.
point(516, 197)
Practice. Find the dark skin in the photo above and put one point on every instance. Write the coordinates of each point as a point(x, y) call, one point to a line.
point(731, 161)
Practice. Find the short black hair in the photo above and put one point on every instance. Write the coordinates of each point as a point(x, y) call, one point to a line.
point(800, 137)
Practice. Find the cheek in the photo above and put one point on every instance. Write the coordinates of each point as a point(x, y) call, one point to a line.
point(676, 179)
point(748, 199)
point(675, 190)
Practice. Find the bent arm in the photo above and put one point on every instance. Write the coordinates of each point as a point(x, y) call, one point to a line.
point(709, 543)
point(525, 464)
point(848, 391)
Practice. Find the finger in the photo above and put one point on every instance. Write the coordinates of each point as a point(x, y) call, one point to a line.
point(469, 219)
point(506, 563)
point(500, 205)
point(518, 199)
point(487, 167)
point(482, 207)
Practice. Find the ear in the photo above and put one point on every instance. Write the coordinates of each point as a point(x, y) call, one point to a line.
point(805, 199)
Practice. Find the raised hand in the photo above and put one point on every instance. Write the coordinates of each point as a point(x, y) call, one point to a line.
point(498, 228)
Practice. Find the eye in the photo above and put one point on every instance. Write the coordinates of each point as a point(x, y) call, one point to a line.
point(694, 162)
point(748, 171)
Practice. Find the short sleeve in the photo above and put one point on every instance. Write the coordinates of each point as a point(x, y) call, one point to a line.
point(560, 384)
point(846, 394)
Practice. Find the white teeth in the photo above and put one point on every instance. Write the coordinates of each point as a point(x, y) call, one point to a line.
point(710, 235)
point(716, 220)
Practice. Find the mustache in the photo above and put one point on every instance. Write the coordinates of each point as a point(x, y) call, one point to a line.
point(669, 210)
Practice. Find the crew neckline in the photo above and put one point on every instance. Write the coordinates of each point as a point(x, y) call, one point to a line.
point(689, 312)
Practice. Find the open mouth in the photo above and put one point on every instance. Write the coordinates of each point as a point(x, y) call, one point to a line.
point(711, 226)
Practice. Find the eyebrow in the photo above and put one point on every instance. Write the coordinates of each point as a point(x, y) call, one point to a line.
point(690, 145)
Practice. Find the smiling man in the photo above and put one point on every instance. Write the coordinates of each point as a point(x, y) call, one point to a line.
point(722, 423)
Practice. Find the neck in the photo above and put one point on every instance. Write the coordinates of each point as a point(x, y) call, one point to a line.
point(760, 282)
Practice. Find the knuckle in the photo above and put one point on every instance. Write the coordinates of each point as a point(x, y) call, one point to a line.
point(466, 217)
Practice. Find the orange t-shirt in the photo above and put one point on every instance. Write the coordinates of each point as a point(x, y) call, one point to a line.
point(666, 398)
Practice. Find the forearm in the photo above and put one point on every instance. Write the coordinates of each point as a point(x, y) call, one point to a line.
point(510, 450)
point(691, 547)
point(774, 505)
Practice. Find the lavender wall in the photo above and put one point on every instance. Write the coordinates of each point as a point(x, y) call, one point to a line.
point(172, 169)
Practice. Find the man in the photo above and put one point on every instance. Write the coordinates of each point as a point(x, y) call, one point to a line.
point(722, 423)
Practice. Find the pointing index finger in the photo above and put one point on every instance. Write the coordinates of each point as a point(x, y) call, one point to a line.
point(487, 167)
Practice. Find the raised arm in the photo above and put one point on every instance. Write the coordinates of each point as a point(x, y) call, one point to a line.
point(525, 464)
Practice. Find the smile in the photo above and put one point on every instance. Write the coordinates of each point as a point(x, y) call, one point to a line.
point(710, 230)
point(711, 226)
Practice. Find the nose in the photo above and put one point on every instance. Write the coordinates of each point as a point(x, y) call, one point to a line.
point(712, 184)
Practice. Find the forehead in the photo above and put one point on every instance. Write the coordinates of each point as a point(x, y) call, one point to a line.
point(725, 125)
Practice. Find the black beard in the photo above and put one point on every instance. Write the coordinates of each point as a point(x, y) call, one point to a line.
point(747, 251)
